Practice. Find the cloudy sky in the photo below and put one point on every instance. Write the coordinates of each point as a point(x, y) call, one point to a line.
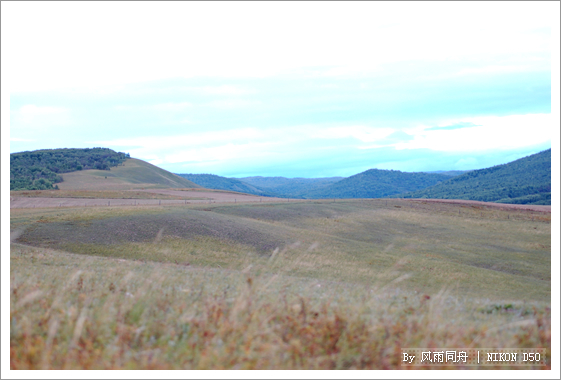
point(284, 88)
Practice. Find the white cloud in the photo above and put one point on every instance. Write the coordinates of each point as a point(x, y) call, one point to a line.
point(221, 145)
point(489, 133)
point(166, 107)
point(227, 90)
point(232, 103)
point(16, 139)
point(31, 116)
point(171, 107)
point(223, 153)
point(197, 139)
point(329, 85)
point(190, 39)
point(245, 145)
point(360, 133)
point(212, 150)
point(466, 163)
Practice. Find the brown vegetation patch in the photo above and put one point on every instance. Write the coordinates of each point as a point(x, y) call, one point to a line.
point(501, 206)
point(67, 313)
point(145, 228)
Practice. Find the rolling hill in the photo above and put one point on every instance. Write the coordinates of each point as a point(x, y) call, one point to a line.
point(42, 169)
point(524, 181)
point(375, 183)
point(212, 181)
point(87, 169)
point(132, 174)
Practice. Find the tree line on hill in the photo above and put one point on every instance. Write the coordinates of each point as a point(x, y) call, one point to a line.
point(375, 183)
point(41, 169)
point(372, 183)
point(524, 181)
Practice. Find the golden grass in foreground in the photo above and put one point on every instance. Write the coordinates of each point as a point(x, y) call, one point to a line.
point(71, 311)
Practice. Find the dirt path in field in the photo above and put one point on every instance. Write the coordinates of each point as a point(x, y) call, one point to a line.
point(222, 197)
point(502, 206)
point(218, 196)
point(207, 197)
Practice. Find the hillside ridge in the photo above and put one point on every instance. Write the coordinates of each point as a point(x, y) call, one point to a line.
point(87, 169)
point(377, 183)
point(42, 169)
point(523, 181)
point(133, 174)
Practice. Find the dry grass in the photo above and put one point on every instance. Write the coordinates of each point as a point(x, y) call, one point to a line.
point(101, 313)
point(94, 194)
point(340, 285)
point(503, 259)
point(132, 174)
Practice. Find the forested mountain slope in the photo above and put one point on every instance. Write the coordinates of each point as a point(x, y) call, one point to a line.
point(375, 183)
point(524, 181)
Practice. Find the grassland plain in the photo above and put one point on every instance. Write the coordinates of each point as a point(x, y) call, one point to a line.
point(93, 194)
point(305, 285)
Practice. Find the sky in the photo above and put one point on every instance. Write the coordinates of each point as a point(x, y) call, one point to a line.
point(284, 88)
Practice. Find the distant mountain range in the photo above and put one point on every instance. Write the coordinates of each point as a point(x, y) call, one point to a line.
point(527, 180)
point(524, 181)
point(290, 187)
point(372, 183)
point(263, 186)
point(212, 181)
point(376, 183)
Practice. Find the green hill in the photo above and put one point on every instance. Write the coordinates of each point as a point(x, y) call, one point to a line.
point(524, 181)
point(41, 169)
point(87, 169)
point(375, 183)
point(212, 181)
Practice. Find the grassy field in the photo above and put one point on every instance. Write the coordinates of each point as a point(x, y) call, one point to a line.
point(303, 285)
point(133, 174)
point(93, 194)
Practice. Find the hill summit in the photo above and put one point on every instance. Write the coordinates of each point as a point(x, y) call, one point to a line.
point(524, 181)
point(87, 169)
point(42, 169)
